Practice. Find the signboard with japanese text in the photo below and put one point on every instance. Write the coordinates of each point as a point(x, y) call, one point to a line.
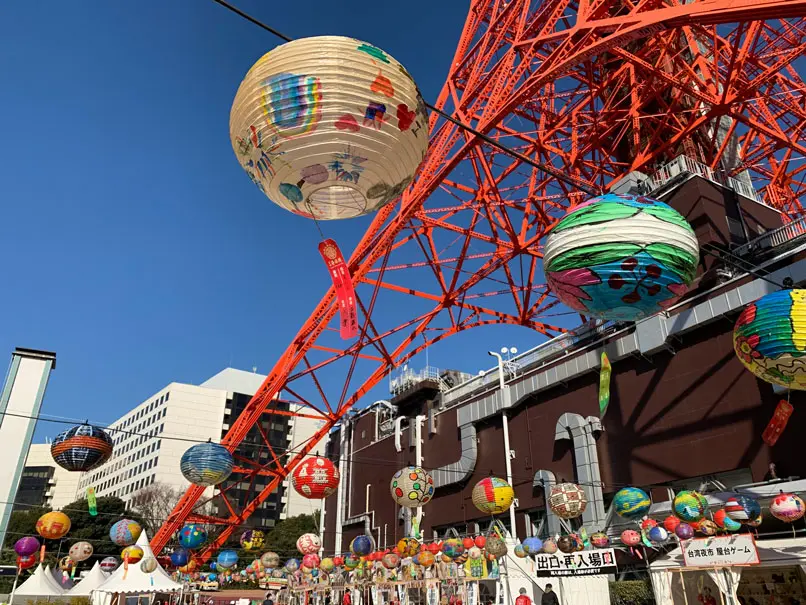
point(739, 549)
point(584, 563)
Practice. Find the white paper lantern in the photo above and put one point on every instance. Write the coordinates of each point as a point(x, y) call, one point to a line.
point(329, 127)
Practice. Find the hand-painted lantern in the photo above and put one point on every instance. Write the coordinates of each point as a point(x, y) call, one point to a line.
point(192, 535)
point(311, 561)
point(520, 551)
point(532, 545)
point(742, 508)
point(270, 560)
point(80, 551)
point(329, 127)
point(722, 520)
point(689, 505)
point(408, 547)
point(492, 495)
point(125, 532)
point(496, 546)
point(684, 531)
point(412, 487)
point(81, 448)
point(53, 525)
point(769, 338)
point(362, 545)
point(327, 565)
point(149, 565)
point(252, 539)
point(549, 547)
point(707, 527)
point(132, 554)
point(658, 534)
point(630, 537)
point(600, 540)
point(631, 503)
point(109, 564)
point(226, 559)
point(425, 559)
point(26, 546)
point(567, 500)
point(453, 548)
point(621, 257)
point(308, 544)
point(315, 478)
point(671, 523)
point(26, 561)
point(787, 507)
point(567, 544)
point(206, 464)
point(180, 557)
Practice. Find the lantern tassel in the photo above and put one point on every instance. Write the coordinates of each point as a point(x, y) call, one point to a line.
point(777, 423)
point(343, 284)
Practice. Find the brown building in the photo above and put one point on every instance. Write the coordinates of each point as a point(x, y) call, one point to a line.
point(683, 410)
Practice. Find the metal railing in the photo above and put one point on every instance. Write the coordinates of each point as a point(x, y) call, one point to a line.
point(774, 238)
point(684, 164)
point(408, 378)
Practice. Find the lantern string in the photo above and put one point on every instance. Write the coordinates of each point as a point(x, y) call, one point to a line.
point(551, 171)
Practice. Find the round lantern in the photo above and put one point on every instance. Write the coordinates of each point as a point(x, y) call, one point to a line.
point(412, 487)
point(742, 508)
point(549, 547)
point(192, 535)
point(496, 546)
point(53, 525)
point(308, 544)
point(148, 565)
point(81, 448)
point(453, 548)
point(270, 560)
point(767, 341)
point(109, 564)
point(351, 562)
point(671, 523)
point(329, 127)
point(658, 534)
point(277, 573)
point(722, 520)
point(315, 478)
point(492, 495)
point(631, 503)
point(125, 532)
point(252, 539)
point(80, 551)
point(467, 542)
point(327, 565)
point(66, 564)
point(684, 531)
point(474, 553)
point(434, 547)
point(26, 561)
point(567, 500)
point(630, 537)
point(648, 524)
point(189, 568)
point(532, 545)
point(600, 540)
point(26, 546)
point(310, 561)
point(425, 558)
point(689, 505)
point(206, 464)
point(755, 522)
point(180, 557)
point(408, 547)
point(362, 545)
point(707, 527)
point(132, 553)
point(519, 551)
point(567, 544)
point(480, 541)
point(787, 507)
point(226, 559)
point(621, 257)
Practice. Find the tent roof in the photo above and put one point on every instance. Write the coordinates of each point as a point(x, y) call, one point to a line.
point(771, 553)
point(38, 585)
point(58, 576)
point(52, 581)
point(135, 580)
point(90, 582)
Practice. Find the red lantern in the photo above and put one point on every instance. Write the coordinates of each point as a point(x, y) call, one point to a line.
point(480, 541)
point(468, 543)
point(338, 561)
point(315, 478)
point(434, 547)
point(423, 547)
point(648, 524)
point(26, 562)
point(671, 523)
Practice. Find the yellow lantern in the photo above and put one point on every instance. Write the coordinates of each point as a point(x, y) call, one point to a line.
point(329, 127)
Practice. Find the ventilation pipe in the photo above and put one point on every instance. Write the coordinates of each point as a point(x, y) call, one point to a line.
point(345, 426)
point(398, 429)
point(546, 480)
point(418, 455)
point(507, 402)
point(586, 459)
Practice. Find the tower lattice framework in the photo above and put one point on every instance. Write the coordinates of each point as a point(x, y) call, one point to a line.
point(594, 89)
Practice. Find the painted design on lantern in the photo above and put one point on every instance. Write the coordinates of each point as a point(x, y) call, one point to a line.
point(373, 51)
point(346, 165)
point(405, 117)
point(292, 103)
point(375, 115)
point(770, 338)
point(382, 85)
point(258, 156)
point(387, 193)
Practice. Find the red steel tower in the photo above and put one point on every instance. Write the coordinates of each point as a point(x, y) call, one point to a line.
point(595, 89)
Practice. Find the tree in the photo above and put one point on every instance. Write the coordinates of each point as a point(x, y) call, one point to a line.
point(283, 538)
point(154, 503)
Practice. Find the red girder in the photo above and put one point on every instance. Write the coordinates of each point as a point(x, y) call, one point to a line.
point(591, 88)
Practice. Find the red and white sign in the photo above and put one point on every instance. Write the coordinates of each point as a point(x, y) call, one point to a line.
point(739, 549)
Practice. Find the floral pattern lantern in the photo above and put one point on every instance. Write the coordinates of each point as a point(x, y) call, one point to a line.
point(53, 525)
point(492, 496)
point(770, 338)
point(308, 544)
point(408, 547)
point(329, 127)
point(81, 448)
point(412, 487)
point(787, 507)
point(631, 503)
point(621, 257)
point(206, 464)
point(689, 505)
point(567, 500)
point(125, 532)
point(315, 478)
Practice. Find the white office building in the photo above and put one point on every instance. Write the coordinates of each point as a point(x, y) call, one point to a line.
point(45, 483)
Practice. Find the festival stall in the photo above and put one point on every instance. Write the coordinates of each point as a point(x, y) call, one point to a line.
point(731, 570)
point(39, 584)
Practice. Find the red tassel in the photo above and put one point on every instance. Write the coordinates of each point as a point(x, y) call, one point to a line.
point(343, 284)
point(777, 423)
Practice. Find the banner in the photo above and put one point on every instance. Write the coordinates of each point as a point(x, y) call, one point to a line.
point(584, 563)
point(604, 385)
point(777, 423)
point(91, 502)
point(343, 284)
point(738, 549)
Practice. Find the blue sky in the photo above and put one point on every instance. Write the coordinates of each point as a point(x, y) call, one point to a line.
point(134, 245)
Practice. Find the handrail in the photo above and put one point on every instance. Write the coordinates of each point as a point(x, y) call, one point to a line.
point(774, 238)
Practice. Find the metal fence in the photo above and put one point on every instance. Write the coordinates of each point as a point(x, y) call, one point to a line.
point(775, 238)
point(684, 164)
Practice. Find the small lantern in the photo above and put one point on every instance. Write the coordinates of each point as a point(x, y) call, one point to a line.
point(192, 535)
point(631, 503)
point(132, 554)
point(53, 525)
point(125, 532)
point(206, 464)
point(492, 495)
point(567, 500)
point(308, 544)
point(315, 478)
point(81, 448)
point(412, 487)
point(329, 127)
point(80, 551)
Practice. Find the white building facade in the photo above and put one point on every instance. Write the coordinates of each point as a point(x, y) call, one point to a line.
point(61, 485)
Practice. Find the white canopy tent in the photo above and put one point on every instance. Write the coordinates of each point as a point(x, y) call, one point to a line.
point(65, 583)
point(135, 580)
point(52, 581)
point(90, 582)
point(38, 585)
point(771, 553)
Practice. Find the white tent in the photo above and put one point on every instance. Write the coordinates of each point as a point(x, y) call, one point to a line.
point(90, 582)
point(38, 585)
point(135, 580)
point(52, 581)
point(65, 583)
